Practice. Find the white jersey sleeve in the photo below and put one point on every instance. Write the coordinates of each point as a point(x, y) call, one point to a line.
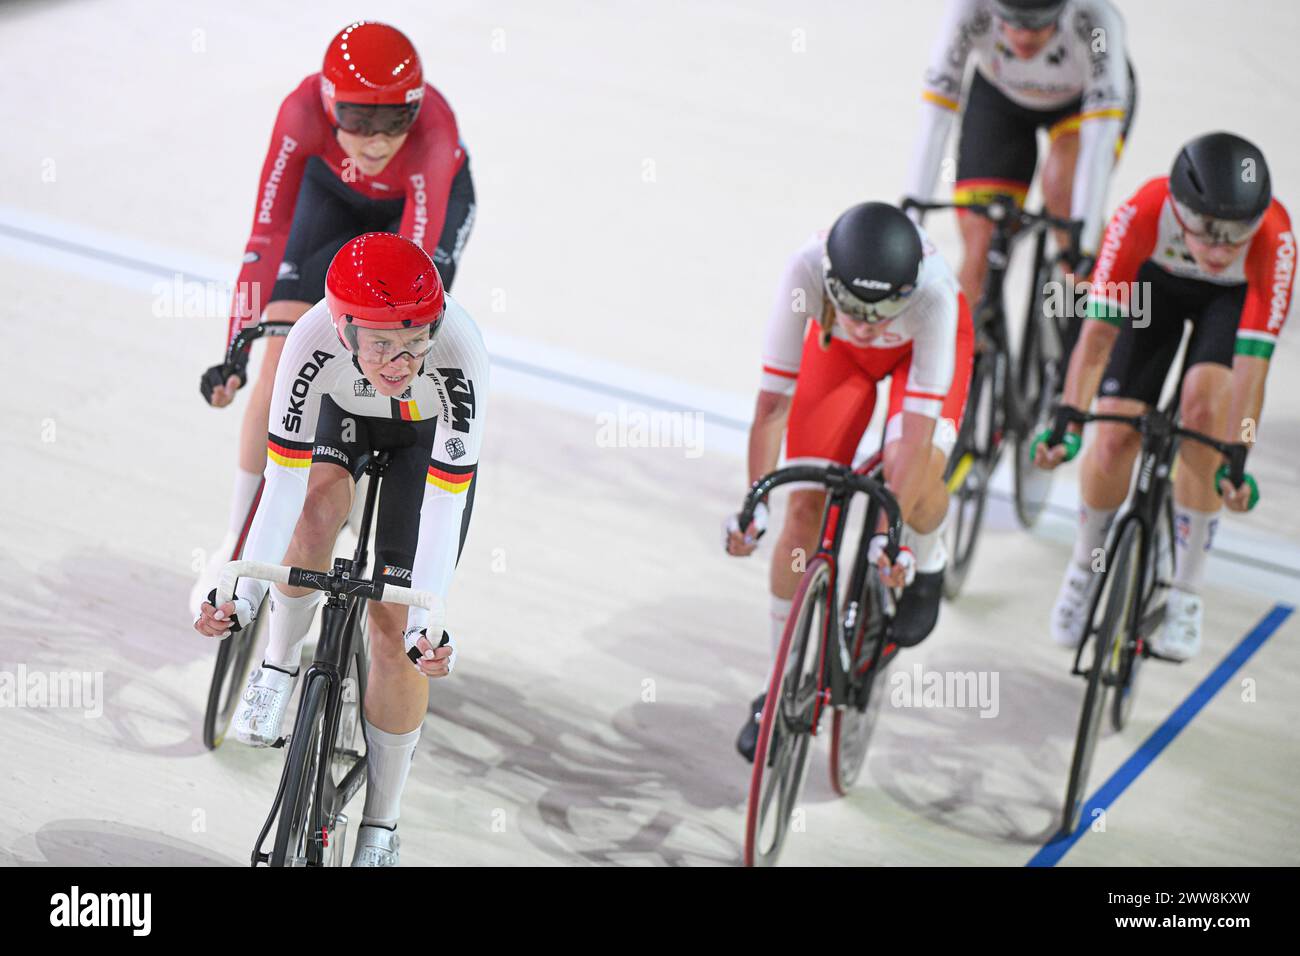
point(941, 95)
point(799, 299)
point(459, 366)
point(1099, 28)
point(931, 321)
point(311, 350)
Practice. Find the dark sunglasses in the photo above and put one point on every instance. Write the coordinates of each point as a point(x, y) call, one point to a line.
point(365, 120)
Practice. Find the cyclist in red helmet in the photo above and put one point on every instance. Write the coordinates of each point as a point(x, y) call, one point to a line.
point(364, 145)
point(387, 361)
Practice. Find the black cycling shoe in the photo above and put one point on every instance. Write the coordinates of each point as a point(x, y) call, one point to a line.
point(747, 742)
point(918, 609)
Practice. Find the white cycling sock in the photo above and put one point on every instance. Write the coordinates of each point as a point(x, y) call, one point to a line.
point(927, 548)
point(388, 761)
point(1094, 523)
point(1193, 538)
point(290, 619)
point(778, 614)
point(241, 499)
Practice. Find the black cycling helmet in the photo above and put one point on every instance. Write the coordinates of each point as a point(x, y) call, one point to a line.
point(873, 253)
point(1221, 186)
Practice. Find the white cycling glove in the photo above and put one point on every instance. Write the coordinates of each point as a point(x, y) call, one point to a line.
point(732, 525)
point(413, 635)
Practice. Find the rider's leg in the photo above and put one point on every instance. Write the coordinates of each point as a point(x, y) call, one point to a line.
point(796, 544)
point(329, 496)
point(976, 234)
point(1204, 408)
point(1105, 473)
point(397, 697)
point(924, 527)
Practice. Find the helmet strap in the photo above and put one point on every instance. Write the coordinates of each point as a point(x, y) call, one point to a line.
point(826, 321)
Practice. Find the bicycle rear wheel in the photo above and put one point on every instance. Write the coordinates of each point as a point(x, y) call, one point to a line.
point(785, 731)
point(968, 474)
point(1038, 382)
point(853, 724)
point(229, 674)
point(1119, 599)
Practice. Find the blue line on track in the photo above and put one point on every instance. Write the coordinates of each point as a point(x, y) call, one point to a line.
point(1164, 735)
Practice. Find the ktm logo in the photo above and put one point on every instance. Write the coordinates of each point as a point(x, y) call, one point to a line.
point(461, 392)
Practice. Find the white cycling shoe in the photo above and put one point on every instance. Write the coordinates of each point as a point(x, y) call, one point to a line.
point(1069, 614)
point(376, 846)
point(1180, 637)
point(263, 705)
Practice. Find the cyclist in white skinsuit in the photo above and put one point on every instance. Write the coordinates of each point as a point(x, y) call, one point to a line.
point(387, 363)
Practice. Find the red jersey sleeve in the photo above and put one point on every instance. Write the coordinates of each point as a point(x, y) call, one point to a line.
point(292, 141)
point(1129, 240)
point(1270, 278)
point(436, 142)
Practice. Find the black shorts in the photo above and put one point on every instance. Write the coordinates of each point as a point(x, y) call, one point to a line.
point(401, 495)
point(1142, 356)
point(328, 213)
point(999, 138)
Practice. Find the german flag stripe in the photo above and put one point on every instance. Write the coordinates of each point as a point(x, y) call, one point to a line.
point(289, 454)
point(407, 411)
point(450, 478)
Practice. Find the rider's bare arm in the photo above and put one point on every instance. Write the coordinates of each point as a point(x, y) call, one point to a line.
point(911, 459)
point(771, 412)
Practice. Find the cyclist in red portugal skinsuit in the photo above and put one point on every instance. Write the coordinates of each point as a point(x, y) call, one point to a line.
point(1208, 245)
point(365, 145)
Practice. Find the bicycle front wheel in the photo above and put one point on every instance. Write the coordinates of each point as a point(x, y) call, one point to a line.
point(785, 731)
point(293, 833)
point(853, 724)
point(229, 675)
point(1118, 599)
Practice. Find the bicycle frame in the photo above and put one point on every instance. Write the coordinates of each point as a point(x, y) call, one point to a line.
point(841, 484)
point(1161, 436)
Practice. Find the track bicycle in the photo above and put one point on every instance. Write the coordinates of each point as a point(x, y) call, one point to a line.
point(326, 762)
point(832, 655)
point(1127, 604)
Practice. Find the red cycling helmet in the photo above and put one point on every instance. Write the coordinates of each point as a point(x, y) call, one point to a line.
point(371, 64)
point(383, 281)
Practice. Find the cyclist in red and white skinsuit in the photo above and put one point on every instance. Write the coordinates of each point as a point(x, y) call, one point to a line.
point(363, 146)
point(870, 300)
point(1209, 244)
